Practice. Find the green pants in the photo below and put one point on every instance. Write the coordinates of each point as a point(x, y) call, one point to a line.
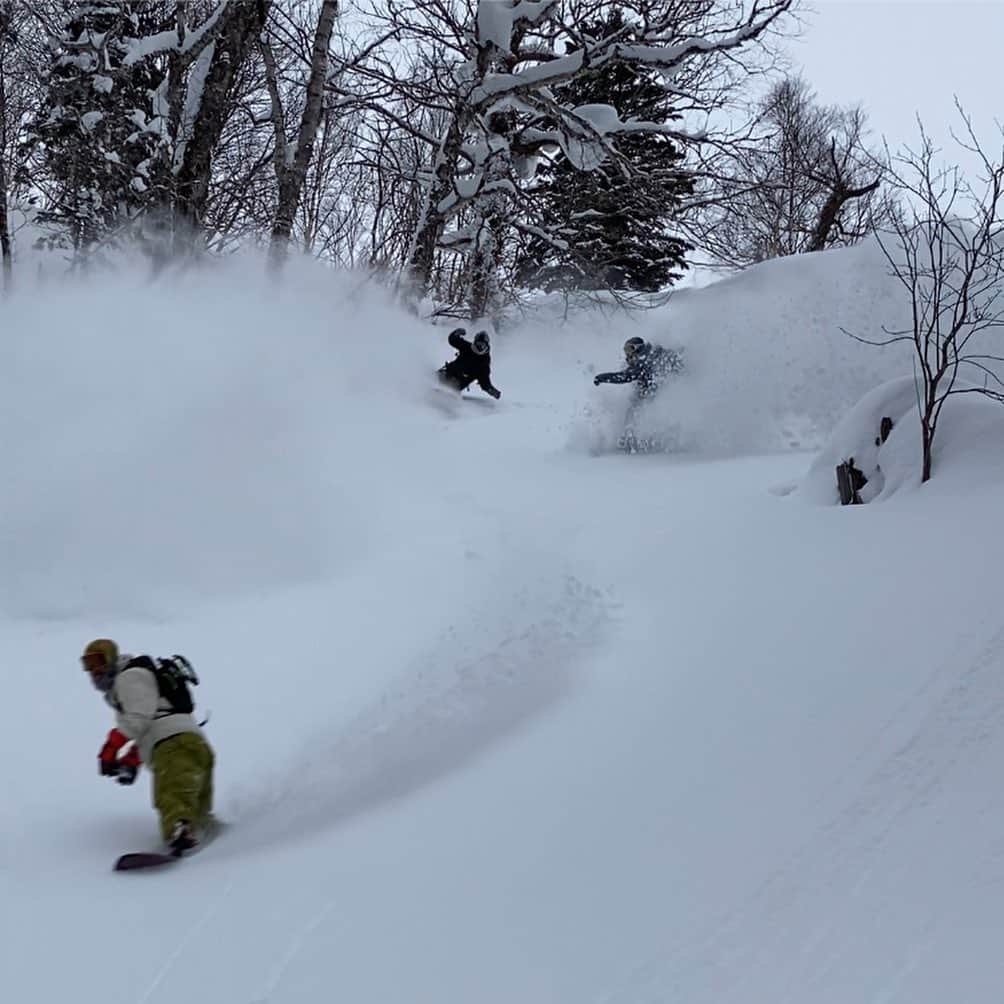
point(182, 781)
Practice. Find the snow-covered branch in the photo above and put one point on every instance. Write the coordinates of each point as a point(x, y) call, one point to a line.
point(179, 41)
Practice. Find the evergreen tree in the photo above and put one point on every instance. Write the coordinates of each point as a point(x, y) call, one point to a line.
point(99, 130)
point(617, 227)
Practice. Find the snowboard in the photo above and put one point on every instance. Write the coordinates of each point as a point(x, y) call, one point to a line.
point(145, 860)
point(453, 403)
point(632, 445)
point(444, 400)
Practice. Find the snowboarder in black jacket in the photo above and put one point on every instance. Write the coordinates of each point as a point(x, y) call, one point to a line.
point(473, 363)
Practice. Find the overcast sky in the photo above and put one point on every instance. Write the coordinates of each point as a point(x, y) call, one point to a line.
point(900, 58)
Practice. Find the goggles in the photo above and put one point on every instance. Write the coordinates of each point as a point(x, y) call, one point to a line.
point(101, 673)
point(93, 662)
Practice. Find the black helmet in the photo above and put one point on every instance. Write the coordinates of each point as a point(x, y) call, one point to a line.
point(481, 344)
point(635, 347)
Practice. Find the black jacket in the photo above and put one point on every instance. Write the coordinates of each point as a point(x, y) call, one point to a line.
point(468, 367)
point(647, 369)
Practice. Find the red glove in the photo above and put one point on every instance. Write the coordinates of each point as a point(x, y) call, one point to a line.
point(112, 764)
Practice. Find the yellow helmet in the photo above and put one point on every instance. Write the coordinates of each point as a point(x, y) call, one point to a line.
point(103, 649)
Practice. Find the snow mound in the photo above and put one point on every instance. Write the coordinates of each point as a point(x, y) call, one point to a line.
point(968, 448)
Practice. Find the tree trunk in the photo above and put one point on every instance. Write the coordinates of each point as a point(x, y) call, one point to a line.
point(828, 215)
point(927, 433)
point(433, 220)
point(481, 286)
point(6, 259)
point(245, 20)
point(482, 276)
point(291, 177)
point(929, 425)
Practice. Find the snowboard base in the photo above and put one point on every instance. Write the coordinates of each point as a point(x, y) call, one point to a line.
point(143, 859)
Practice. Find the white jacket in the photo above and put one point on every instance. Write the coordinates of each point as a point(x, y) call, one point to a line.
point(142, 714)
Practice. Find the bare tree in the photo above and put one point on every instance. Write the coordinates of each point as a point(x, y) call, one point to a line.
point(805, 181)
point(293, 159)
point(7, 39)
point(23, 54)
point(838, 180)
point(210, 96)
point(388, 165)
point(338, 207)
point(947, 250)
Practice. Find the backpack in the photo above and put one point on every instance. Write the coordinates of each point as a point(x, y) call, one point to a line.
point(173, 677)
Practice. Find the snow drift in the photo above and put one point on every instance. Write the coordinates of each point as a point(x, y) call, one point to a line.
point(968, 446)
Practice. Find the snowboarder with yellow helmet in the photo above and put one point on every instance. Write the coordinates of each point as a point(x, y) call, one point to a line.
point(154, 725)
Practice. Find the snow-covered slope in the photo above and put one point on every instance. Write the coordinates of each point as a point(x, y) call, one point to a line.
point(497, 720)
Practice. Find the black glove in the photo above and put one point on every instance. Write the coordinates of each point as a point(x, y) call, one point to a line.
point(495, 393)
point(597, 381)
point(126, 774)
point(108, 768)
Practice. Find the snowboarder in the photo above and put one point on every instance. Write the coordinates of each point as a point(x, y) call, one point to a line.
point(473, 362)
point(154, 725)
point(648, 365)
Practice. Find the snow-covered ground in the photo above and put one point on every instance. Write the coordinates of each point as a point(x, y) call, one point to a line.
point(499, 718)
